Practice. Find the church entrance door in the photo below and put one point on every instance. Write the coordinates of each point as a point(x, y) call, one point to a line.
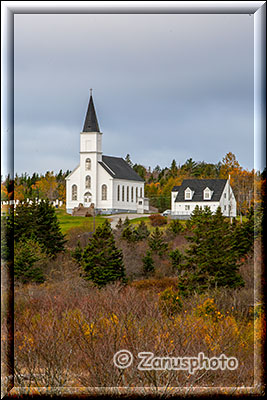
point(87, 199)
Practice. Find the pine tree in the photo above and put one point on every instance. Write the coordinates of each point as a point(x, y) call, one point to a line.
point(29, 259)
point(102, 261)
point(141, 232)
point(175, 227)
point(77, 253)
point(148, 263)
point(176, 259)
point(156, 242)
point(211, 260)
point(39, 222)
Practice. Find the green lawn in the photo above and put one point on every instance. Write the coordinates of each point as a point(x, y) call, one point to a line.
point(67, 221)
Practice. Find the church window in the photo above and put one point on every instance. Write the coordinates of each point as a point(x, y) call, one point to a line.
point(88, 164)
point(104, 192)
point(118, 193)
point(87, 197)
point(127, 193)
point(74, 192)
point(132, 194)
point(88, 182)
point(122, 193)
point(136, 193)
point(141, 194)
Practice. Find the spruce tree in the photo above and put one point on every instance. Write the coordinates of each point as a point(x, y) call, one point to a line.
point(211, 260)
point(156, 242)
point(39, 222)
point(102, 261)
point(29, 260)
point(148, 263)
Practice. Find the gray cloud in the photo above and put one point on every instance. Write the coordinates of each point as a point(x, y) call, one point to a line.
point(165, 86)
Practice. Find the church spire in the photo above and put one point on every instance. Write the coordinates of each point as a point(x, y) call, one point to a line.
point(90, 123)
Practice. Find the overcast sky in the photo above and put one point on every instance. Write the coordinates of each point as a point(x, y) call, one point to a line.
point(164, 86)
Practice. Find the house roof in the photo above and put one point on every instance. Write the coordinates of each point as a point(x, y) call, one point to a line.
point(198, 186)
point(90, 123)
point(118, 168)
point(175, 188)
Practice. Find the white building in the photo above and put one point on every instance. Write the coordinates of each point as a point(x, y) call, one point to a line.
point(213, 193)
point(108, 183)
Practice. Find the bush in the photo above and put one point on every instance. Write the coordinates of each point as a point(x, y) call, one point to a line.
point(157, 220)
point(170, 302)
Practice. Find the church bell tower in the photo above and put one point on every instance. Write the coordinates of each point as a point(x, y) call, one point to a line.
point(90, 154)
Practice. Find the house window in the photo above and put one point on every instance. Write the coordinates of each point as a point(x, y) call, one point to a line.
point(187, 194)
point(136, 193)
point(118, 193)
point(104, 192)
point(87, 197)
point(74, 192)
point(206, 194)
point(122, 193)
point(87, 182)
point(127, 193)
point(132, 194)
point(88, 164)
point(187, 207)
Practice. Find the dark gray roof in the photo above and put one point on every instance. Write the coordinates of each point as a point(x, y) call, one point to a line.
point(90, 123)
point(118, 168)
point(175, 188)
point(198, 185)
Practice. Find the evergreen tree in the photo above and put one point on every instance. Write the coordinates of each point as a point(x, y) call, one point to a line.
point(102, 261)
point(175, 227)
point(141, 232)
point(211, 260)
point(243, 235)
point(39, 221)
point(148, 263)
point(29, 259)
point(176, 259)
point(156, 242)
point(77, 253)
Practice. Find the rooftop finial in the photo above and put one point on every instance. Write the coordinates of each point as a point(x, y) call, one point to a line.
point(91, 91)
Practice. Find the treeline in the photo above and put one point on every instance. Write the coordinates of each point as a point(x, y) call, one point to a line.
point(248, 186)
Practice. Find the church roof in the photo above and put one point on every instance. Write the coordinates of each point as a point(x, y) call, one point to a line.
point(90, 123)
point(118, 168)
point(198, 186)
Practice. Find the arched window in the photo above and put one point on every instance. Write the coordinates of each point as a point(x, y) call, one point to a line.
point(104, 192)
point(88, 164)
point(127, 193)
point(87, 197)
point(132, 194)
point(136, 193)
point(122, 193)
point(74, 192)
point(118, 193)
point(141, 192)
point(88, 182)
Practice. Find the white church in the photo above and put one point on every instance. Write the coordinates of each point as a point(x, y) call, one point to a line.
point(107, 183)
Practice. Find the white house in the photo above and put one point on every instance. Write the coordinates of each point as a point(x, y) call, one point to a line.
point(213, 193)
point(108, 183)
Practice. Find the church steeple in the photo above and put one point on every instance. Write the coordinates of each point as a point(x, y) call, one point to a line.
point(90, 123)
